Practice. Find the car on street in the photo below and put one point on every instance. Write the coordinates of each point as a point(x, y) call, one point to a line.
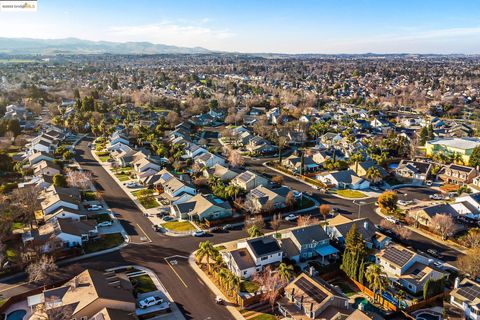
point(94, 207)
point(199, 233)
point(156, 227)
point(297, 194)
point(375, 188)
point(149, 301)
point(429, 183)
point(392, 220)
point(291, 217)
point(227, 227)
point(405, 202)
point(132, 185)
point(433, 253)
point(436, 196)
point(107, 223)
point(219, 300)
point(168, 218)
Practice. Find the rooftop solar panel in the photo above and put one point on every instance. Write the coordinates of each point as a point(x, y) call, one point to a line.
point(311, 290)
point(258, 193)
point(399, 257)
point(166, 176)
point(245, 176)
point(470, 292)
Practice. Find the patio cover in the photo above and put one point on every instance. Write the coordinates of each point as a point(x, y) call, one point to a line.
point(327, 250)
point(32, 301)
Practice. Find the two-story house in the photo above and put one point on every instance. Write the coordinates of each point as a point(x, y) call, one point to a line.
point(248, 180)
point(457, 174)
point(413, 171)
point(263, 198)
point(252, 255)
point(466, 296)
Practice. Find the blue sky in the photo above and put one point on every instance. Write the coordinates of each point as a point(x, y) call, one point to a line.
point(295, 26)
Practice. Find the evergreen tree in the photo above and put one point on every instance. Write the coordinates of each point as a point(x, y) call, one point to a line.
point(423, 135)
point(474, 160)
point(354, 254)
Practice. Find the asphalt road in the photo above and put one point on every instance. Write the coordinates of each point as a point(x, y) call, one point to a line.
point(166, 256)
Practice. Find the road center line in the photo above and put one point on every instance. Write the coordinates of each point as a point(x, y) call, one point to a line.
point(150, 240)
point(168, 262)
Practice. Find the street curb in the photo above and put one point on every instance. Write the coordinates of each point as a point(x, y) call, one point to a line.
point(158, 284)
point(191, 261)
point(426, 235)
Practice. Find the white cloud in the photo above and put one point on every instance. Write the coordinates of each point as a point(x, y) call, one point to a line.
point(170, 33)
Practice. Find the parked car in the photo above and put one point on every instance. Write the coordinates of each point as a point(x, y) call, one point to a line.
point(156, 227)
point(392, 220)
point(375, 188)
point(149, 301)
point(168, 218)
point(434, 253)
point(199, 233)
point(436, 196)
point(227, 227)
point(291, 217)
point(405, 202)
point(429, 183)
point(131, 185)
point(105, 224)
point(94, 207)
point(218, 300)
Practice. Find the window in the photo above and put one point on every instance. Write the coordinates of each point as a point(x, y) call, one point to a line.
point(84, 318)
point(244, 272)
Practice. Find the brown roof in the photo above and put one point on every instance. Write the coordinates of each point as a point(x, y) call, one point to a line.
point(77, 228)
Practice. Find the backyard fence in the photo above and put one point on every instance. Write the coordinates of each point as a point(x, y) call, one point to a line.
point(379, 299)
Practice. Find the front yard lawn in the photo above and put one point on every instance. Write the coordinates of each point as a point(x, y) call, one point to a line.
point(352, 194)
point(249, 286)
point(149, 202)
point(89, 195)
point(264, 316)
point(122, 176)
point(104, 242)
point(179, 226)
point(18, 225)
point(142, 284)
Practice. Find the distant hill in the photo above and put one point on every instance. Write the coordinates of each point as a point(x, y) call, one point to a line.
point(78, 46)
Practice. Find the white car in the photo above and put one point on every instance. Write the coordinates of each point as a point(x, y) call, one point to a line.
point(131, 185)
point(94, 207)
point(199, 233)
point(405, 202)
point(391, 219)
point(429, 183)
point(291, 217)
point(105, 224)
point(436, 196)
point(149, 301)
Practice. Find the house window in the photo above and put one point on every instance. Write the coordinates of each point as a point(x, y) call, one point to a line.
point(84, 318)
point(244, 272)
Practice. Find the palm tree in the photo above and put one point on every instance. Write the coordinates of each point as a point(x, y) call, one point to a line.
point(285, 272)
point(377, 279)
point(234, 283)
point(373, 174)
point(254, 232)
point(356, 158)
point(223, 276)
point(206, 250)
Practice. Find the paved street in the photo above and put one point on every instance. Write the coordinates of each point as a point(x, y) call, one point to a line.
point(166, 256)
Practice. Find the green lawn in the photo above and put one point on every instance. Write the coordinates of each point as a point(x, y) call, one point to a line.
point(18, 225)
point(345, 288)
point(142, 284)
point(149, 202)
point(104, 242)
point(89, 195)
point(122, 174)
point(179, 226)
point(122, 177)
point(264, 316)
point(352, 194)
point(102, 153)
point(248, 286)
point(104, 159)
point(11, 254)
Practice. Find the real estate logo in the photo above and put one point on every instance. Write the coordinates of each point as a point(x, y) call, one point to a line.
point(15, 5)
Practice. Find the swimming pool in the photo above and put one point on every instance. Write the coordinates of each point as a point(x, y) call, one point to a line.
point(16, 315)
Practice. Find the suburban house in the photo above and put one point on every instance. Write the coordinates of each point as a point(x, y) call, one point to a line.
point(461, 146)
point(144, 167)
point(295, 162)
point(413, 171)
point(45, 168)
point(308, 242)
point(309, 298)
point(406, 267)
point(466, 296)
point(249, 180)
point(456, 174)
point(362, 168)
point(252, 255)
point(201, 207)
point(173, 187)
point(259, 145)
point(219, 171)
point(88, 294)
point(263, 198)
point(53, 198)
point(424, 216)
point(38, 156)
point(117, 138)
point(345, 179)
point(75, 233)
point(208, 160)
point(192, 150)
point(339, 226)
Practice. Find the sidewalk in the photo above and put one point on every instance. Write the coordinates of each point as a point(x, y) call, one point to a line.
point(452, 245)
point(233, 310)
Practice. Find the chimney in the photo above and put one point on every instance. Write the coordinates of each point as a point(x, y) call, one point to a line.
point(365, 225)
point(457, 283)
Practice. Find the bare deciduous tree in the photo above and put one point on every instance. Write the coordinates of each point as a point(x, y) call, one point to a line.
point(276, 222)
point(471, 239)
point(25, 202)
point(79, 179)
point(270, 283)
point(308, 220)
point(470, 263)
point(235, 159)
point(254, 221)
point(443, 224)
point(41, 271)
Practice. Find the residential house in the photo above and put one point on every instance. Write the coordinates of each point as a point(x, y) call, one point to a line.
point(407, 268)
point(75, 233)
point(208, 160)
point(117, 138)
point(265, 199)
point(145, 167)
point(201, 207)
point(308, 242)
point(425, 215)
point(413, 171)
point(362, 168)
point(344, 179)
point(461, 146)
point(339, 226)
point(54, 198)
point(259, 145)
point(47, 168)
point(173, 187)
point(192, 151)
point(219, 171)
point(249, 180)
point(252, 255)
point(466, 296)
point(312, 298)
point(40, 156)
point(88, 294)
point(294, 163)
point(457, 174)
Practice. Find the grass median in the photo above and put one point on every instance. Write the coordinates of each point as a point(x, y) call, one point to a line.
point(105, 241)
point(179, 226)
point(352, 194)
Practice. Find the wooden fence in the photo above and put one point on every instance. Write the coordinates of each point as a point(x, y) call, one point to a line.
point(379, 299)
